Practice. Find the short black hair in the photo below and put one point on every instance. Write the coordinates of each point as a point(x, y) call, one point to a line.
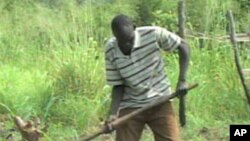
point(121, 20)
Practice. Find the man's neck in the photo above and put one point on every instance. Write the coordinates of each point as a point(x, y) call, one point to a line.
point(125, 50)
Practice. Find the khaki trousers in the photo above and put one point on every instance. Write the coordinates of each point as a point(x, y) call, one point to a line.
point(161, 120)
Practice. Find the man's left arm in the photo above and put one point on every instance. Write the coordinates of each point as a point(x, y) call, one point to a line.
point(169, 41)
point(184, 57)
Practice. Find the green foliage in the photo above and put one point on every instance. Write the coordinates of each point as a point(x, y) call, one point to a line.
point(52, 62)
point(145, 9)
point(207, 16)
point(244, 4)
point(19, 88)
point(157, 12)
point(167, 16)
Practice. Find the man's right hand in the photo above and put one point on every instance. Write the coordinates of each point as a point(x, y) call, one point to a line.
point(108, 125)
point(112, 118)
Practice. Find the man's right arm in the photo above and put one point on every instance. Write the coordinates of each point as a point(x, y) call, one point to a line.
point(117, 94)
point(116, 97)
point(114, 79)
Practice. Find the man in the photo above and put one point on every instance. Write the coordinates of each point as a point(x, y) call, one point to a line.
point(135, 70)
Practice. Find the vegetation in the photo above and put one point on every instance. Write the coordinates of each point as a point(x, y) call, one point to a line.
point(52, 63)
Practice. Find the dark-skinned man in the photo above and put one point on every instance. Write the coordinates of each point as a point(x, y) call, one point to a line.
point(135, 70)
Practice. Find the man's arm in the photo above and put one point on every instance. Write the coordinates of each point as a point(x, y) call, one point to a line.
point(117, 94)
point(169, 41)
point(184, 56)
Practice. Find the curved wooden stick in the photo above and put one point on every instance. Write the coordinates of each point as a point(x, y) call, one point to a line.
point(236, 55)
point(182, 99)
point(121, 120)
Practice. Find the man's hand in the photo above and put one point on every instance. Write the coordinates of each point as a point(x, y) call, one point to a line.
point(181, 88)
point(182, 91)
point(108, 126)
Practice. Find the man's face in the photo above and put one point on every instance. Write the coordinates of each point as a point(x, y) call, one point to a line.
point(125, 36)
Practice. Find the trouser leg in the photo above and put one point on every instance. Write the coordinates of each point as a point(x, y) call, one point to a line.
point(163, 123)
point(132, 129)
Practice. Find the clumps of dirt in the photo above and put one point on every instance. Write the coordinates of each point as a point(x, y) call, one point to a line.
point(30, 130)
point(214, 134)
point(20, 129)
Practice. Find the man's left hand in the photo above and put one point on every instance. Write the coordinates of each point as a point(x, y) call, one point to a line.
point(181, 88)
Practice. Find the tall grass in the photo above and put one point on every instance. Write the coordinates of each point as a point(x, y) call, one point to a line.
point(52, 65)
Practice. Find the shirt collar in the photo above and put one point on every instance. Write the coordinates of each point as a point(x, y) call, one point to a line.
point(137, 40)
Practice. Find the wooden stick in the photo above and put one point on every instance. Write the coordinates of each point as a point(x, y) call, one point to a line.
point(121, 120)
point(181, 18)
point(182, 99)
point(236, 54)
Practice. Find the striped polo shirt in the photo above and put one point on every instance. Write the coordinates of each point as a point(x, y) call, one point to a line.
point(142, 72)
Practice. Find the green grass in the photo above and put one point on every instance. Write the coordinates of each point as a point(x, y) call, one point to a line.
point(52, 66)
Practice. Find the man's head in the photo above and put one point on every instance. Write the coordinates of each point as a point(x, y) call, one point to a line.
point(123, 29)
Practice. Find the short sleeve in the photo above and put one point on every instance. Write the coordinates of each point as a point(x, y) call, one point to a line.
point(167, 40)
point(113, 75)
